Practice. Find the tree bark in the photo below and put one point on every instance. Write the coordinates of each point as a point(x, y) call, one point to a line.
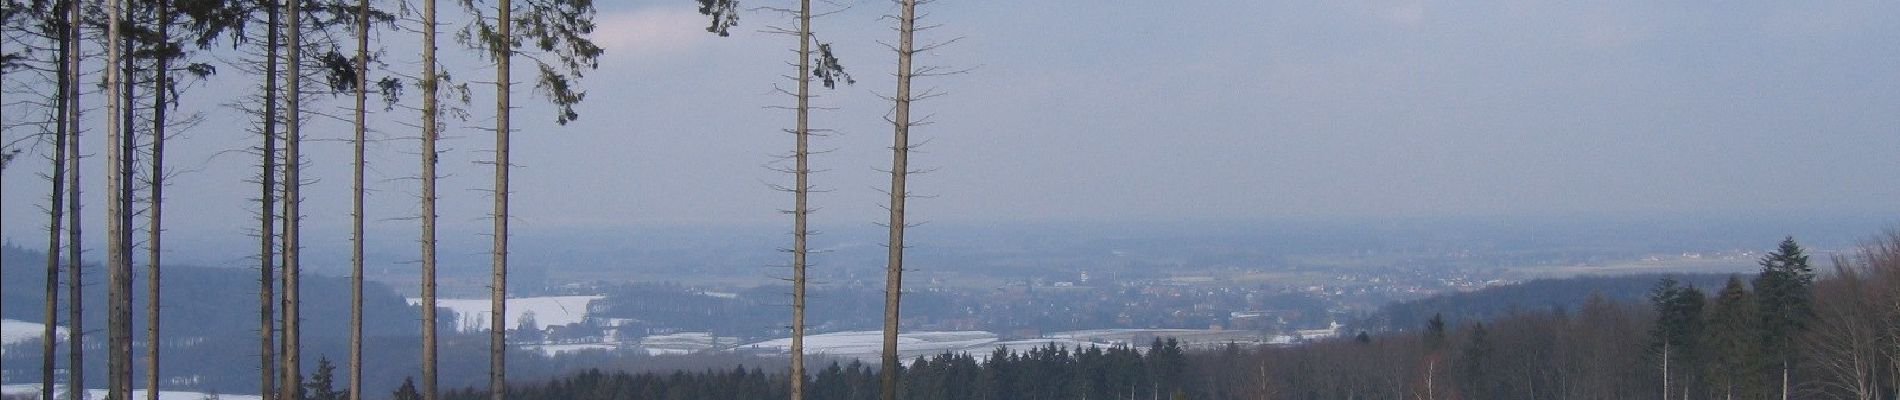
point(356, 200)
point(118, 246)
point(498, 303)
point(161, 88)
point(801, 190)
point(75, 266)
point(900, 154)
point(49, 344)
point(293, 200)
point(1784, 379)
point(430, 108)
point(267, 216)
point(75, 262)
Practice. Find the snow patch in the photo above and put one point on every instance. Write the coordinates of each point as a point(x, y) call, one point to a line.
point(34, 388)
point(548, 311)
point(13, 331)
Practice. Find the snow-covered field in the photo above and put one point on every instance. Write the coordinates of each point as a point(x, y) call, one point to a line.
point(557, 349)
point(31, 388)
point(15, 331)
point(1141, 338)
point(548, 311)
point(685, 343)
point(867, 345)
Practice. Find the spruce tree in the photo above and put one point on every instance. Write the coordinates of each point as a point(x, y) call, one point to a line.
point(407, 391)
point(1676, 337)
point(1785, 299)
point(322, 385)
point(1735, 356)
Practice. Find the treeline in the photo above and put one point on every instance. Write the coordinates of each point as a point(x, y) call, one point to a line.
point(1541, 295)
point(199, 302)
point(1782, 332)
point(1161, 369)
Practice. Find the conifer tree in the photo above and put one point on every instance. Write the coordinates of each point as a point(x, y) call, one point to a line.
point(559, 32)
point(1786, 303)
point(431, 131)
point(1734, 342)
point(358, 166)
point(1677, 334)
point(901, 123)
point(322, 385)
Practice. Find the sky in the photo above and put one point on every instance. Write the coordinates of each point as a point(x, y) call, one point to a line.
point(1111, 110)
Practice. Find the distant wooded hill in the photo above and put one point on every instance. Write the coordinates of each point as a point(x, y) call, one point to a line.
point(1543, 295)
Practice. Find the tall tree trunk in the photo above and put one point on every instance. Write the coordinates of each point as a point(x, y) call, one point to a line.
point(498, 299)
point(49, 344)
point(267, 216)
point(6, 157)
point(293, 201)
point(118, 246)
point(1784, 379)
point(356, 200)
point(900, 164)
point(75, 262)
point(430, 128)
point(75, 265)
point(161, 87)
point(801, 189)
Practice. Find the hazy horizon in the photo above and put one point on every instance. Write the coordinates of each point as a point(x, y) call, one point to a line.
point(1199, 111)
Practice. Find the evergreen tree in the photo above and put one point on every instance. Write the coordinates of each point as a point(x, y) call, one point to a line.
point(1478, 366)
point(408, 390)
point(1786, 303)
point(1735, 356)
point(1435, 333)
point(1676, 337)
point(322, 385)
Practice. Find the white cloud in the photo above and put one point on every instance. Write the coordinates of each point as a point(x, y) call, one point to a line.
point(649, 31)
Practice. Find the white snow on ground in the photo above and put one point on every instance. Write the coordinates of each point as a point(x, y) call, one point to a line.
point(867, 345)
point(685, 343)
point(548, 311)
point(1020, 346)
point(556, 349)
point(34, 388)
point(14, 331)
point(1141, 338)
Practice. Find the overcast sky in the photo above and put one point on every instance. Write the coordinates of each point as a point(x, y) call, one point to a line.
point(1141, 110)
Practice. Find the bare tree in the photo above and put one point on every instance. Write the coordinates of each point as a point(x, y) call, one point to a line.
point(49, 339)
point(118, 215)
point(361, 64)
point(267, 212)
point(6, 155)
point(293, 200)
point(162, 87)
point(558, 28)
point(1845, 339)
point(431, 130)
point(900, 166)
point(75, 267)
point(502, 51)
point(815, 60)
point(801, 189)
